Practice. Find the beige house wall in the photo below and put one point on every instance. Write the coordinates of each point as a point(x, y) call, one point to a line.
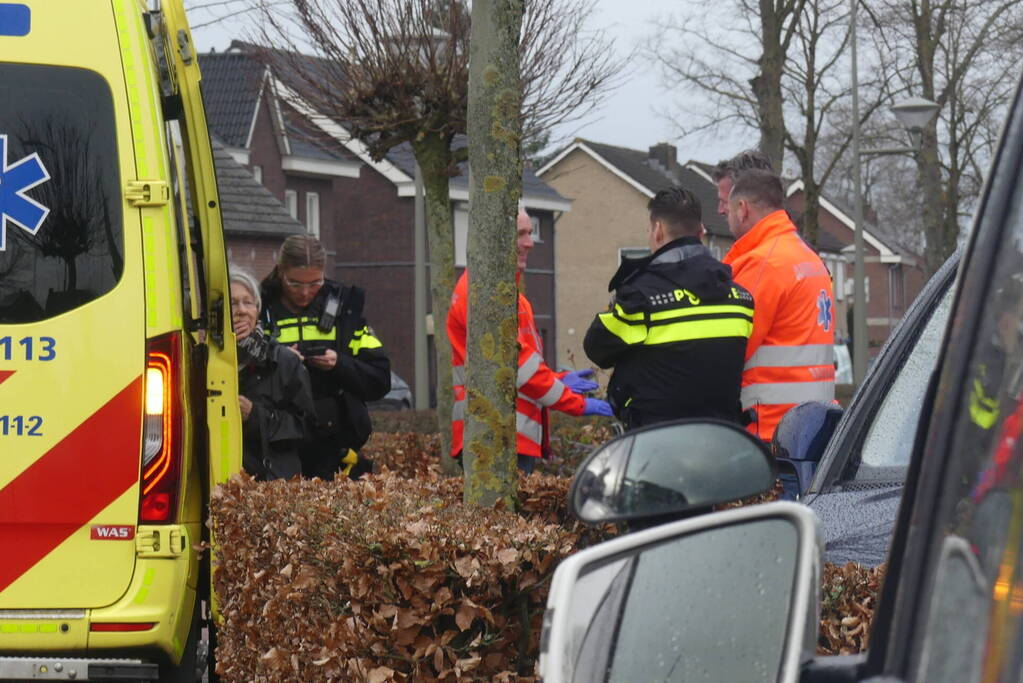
point(607, 214)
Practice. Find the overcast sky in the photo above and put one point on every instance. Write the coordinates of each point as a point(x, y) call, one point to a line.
point(626, 118)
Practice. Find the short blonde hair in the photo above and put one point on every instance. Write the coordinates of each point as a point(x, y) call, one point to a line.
point(248, 281)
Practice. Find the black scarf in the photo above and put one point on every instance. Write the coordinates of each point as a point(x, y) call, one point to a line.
point(254, 349)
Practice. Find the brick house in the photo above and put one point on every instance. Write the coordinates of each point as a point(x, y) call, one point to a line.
point(360, 208)
point(609, 188)
point(255, 223)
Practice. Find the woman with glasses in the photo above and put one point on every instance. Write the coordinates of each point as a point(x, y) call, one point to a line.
point(273, 391)
point(322, 322)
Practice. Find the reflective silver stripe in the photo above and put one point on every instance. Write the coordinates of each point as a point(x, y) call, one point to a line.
point(530, 401)
point(553, 394)
point(458, 410)
point(457, 375)
point(784, 393)
point(529, 428)
point(770, 356)
point(528, 369)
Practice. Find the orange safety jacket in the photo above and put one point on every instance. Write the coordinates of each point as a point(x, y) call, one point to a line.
point(539, 387)
point(790, 355)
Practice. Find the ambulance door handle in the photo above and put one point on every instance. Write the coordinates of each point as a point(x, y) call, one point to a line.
point(142, 193)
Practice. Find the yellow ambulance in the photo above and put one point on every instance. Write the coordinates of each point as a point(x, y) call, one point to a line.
point(118, 380)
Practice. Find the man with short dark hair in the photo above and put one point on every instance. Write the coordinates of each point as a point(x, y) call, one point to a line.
point(789, 358)
point(677, 327)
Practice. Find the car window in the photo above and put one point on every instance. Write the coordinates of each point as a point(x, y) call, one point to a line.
point(975, 578)
point(670, 612)
point(889, 440)
point(61, 238)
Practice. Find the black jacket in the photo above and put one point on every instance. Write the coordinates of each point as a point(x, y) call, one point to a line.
point(676, 336)
point(362, 372)
point(282, 410)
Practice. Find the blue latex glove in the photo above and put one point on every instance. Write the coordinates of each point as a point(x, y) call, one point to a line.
point(595, 406)
point(577, 382)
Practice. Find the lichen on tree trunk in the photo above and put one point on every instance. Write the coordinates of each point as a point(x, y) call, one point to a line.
point(434, 156)
point(495, 131)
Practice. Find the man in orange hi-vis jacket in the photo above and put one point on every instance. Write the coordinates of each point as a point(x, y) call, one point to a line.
point(790, 355)
point(539, 387)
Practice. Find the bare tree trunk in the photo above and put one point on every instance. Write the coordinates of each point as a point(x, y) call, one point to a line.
point(433, 154)
point(811, 211)
point(495, 139)
point(767, 85)
point(929, 168)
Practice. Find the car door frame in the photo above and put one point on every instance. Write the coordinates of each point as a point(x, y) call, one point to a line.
point(854, 426)
point(899, 627)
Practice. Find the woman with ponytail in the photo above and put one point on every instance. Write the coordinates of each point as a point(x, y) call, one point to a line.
point(322, 322)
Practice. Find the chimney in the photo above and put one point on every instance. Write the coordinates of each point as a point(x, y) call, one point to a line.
point(664, 154)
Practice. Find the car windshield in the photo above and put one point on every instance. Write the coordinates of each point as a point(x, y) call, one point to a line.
point(889, 439)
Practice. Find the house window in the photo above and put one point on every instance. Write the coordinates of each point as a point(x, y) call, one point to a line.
point(838, 278)
point(536, 228)
point(896, 290)
point(257, 173)
point(291, 203)
point(632, 253)
point(312, 213)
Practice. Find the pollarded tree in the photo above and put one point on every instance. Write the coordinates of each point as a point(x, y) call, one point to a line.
point(397, 71)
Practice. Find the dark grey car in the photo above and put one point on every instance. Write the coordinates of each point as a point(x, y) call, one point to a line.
point(859, 482)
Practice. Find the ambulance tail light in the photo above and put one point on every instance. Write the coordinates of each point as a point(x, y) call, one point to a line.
point(161, 442)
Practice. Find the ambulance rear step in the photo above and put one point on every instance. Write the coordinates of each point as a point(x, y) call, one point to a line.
point(76, 669)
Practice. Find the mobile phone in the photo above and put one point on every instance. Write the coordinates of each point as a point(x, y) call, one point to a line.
point(314, 350)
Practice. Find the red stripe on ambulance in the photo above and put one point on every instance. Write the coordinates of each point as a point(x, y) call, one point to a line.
point(5, 374)
point(69, 485)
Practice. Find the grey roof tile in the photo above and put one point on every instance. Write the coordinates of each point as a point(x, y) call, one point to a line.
point(247, 207)
point(654, 177)
point(230, 86)
point(403, 157)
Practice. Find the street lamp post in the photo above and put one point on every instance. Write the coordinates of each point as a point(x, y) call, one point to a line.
point(914, 114)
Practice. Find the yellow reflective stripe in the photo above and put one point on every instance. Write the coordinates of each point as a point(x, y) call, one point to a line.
point(290, 335)
point(630, 334)
point(702, 310)
point(363, 340)
point(287, 336)
point(620, 312)
point(689, 330)
point(983, 409)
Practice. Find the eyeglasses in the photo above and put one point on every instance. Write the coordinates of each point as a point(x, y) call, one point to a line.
point(243, 303)
point(288, 282)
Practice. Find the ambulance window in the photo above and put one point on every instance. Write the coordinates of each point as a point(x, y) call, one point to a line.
point(61, 228)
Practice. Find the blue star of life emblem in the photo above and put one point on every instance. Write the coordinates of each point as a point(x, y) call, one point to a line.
point(15, 206)
point(824, 316)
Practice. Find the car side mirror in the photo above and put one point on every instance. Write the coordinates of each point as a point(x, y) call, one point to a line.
point(799, 442)
point(730, 596)
point(668, 469)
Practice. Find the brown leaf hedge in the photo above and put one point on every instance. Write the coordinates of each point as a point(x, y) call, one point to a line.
point(392, 578)
point(385, 579)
